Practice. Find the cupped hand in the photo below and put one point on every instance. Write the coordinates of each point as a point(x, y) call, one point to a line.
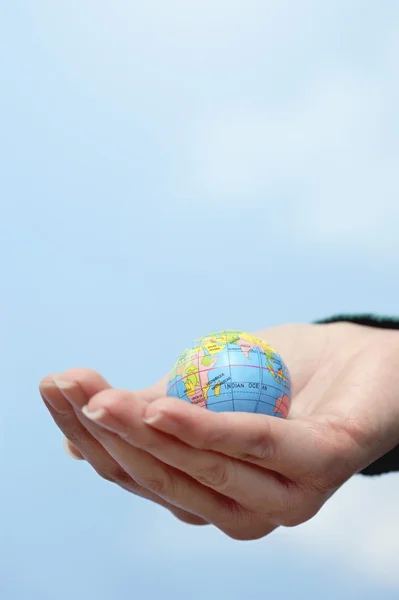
point(244, 473)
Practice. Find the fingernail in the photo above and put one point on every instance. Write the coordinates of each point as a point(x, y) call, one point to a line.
point(71, 391)
point(63, 385)
point(109, 422)
point(68, 451)
point(59, 401)
point(94, 415)
point(154, 418)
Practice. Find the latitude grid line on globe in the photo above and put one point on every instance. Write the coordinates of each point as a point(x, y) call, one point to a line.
point(223, 366)
point(273, 387)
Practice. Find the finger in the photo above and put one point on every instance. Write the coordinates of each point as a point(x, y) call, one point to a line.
point(72, 450)
point(184, 515)
point(175, 486)
point(88, 447)
point(252, 487)
point(281, 445)
point(89, 381)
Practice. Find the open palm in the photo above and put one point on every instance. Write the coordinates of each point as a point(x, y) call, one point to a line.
point(244, 473)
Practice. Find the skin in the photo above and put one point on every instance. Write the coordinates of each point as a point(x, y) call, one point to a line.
point(246, 474)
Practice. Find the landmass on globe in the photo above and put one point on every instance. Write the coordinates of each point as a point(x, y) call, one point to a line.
point(232, 371)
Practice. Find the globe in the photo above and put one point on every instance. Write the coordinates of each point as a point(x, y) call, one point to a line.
point(232, 371)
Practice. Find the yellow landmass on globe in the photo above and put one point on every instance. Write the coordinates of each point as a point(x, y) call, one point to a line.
point(205, 352)
point(206, 360)
point(179, 368)
point(217, 389)
point(261, 344)
point(212, 348)
point(190, 387)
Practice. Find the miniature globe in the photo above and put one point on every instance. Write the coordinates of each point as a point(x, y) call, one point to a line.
point(232, 371)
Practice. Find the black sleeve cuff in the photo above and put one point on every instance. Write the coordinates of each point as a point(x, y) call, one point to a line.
point(390, 461)
point(365, 319)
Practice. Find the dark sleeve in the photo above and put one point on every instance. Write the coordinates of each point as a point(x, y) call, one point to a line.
point(390, 461)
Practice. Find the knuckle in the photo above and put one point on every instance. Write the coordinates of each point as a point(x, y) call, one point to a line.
point(186, 516)
point(115, 474)
point(334, 476)
point(245, 525)
point(215, 476)
point(298, 516)
point(243, 533)
point(104, 474)
point(65, 422)
point(232, 517)
point(261, 449)
point(122, 478)
point(292, 520)
point(131, 486)
point(214, 438)
point(161, 486)
point(300, 507)
point(72, 437)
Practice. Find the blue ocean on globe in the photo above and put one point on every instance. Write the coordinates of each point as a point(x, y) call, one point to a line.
point(232, 371)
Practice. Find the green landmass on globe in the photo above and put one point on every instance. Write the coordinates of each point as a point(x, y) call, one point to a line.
point(232, 371)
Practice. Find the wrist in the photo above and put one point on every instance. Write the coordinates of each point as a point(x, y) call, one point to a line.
point(384, 347)
point(390, 384)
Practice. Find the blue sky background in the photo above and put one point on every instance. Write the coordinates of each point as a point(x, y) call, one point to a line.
point(167, 169)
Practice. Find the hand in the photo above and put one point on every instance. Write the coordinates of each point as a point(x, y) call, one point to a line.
point(66, 397)
point(246, 474)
